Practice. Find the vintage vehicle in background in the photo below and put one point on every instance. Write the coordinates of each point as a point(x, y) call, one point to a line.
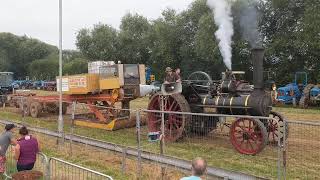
point(310, 96)
point(150, 77)
point(49, 85)
point(291, 93)
point(6, 78)
point(104, 86)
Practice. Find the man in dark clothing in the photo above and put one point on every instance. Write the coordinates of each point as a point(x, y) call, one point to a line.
point(26, 150)
point(6, 139)
point(171, 77)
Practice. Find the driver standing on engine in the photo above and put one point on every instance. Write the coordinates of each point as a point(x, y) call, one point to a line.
point(171, 77)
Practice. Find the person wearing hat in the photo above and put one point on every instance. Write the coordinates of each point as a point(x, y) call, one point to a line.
point(171, 77)
point(6, 138)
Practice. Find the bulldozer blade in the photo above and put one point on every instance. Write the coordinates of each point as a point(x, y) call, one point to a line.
point(115, 124)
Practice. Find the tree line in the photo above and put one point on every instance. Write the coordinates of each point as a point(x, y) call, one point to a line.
point(26, 56)
point(289, 30)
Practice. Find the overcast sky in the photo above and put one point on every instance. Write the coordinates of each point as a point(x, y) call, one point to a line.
point(39, 18)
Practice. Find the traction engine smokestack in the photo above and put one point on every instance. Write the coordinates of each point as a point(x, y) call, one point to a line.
point(257, 55)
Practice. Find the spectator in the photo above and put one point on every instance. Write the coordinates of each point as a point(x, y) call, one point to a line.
point(6, 138)
point(171, 77)
point(199, 167)
point(178, 72)
point(26, 150)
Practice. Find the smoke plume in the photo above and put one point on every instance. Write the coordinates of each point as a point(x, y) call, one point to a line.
point(223, 19)
point(249, 22)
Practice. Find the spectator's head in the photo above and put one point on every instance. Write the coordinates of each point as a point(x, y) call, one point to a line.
point(23, 131)
point(9, 127)
point(178, 70)
point(199, 166)
point(168, 70)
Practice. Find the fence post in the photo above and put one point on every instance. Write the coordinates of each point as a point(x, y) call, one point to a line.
point(162, 135)
point(23, 110)
point(72, 124)
point(47, 168)
point(48, 171)
point(3, 99)
point(279, 153)
point(124, 157)
point(139, 143)
point(284, 149)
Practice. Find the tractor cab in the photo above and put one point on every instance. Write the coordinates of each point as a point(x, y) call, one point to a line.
point(127, 77)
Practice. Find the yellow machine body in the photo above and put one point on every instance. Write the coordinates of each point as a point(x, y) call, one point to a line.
point(106, 83)
point(109, 83)
point(79, 84)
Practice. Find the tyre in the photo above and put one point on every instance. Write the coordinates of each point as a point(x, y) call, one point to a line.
point(248, 136)
point(35, 109)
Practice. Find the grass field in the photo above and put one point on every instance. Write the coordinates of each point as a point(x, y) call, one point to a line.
point(216, 148)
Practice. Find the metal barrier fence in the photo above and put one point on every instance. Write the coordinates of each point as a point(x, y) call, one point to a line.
point(40, 164)
point(208, 136)
point(205, 135)
point(55, 169)
point(302, 150)
point(60, 170)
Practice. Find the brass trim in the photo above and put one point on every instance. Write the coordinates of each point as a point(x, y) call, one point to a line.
point(221, 85)
point(229, 85)
point(246, 103)
point(217, 100)
point(205, 99)
point(231, 105)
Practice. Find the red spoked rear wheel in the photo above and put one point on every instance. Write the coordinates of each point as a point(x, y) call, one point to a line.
point(174, 123)
point(248, 136)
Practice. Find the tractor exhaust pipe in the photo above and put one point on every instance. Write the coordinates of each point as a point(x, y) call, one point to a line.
point(257, 55)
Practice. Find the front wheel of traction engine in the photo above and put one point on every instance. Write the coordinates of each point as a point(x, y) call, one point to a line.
point(174, 123)
point(248, 136)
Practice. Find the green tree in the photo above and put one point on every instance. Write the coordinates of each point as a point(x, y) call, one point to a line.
point(100, 43)
point(76, 66)
point(134, 39)
point(70, 55)
point(44, 69)
point(4, 61)
point(17, 52)
point(166, 42)
point(285, 28)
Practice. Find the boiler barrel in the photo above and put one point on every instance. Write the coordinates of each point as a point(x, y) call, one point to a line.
point(240, 105)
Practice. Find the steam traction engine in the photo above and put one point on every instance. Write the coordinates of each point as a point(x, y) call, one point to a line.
point(231, 96)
